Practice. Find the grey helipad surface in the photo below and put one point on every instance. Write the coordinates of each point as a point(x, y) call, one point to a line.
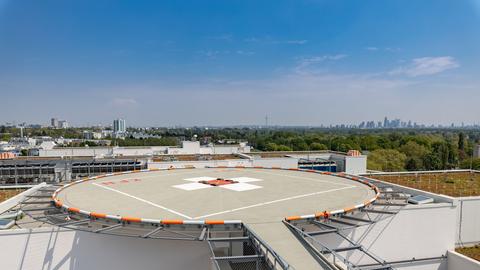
point(261, 198)
point(262, 195)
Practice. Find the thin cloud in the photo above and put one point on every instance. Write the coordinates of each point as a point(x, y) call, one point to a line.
point(305, 63)
point(386, 49)
point(123, 102)
point(269, 40)
point(297, 42)
point(213, 53)
point(427, 66)
point(240, 52)
point(392, 49)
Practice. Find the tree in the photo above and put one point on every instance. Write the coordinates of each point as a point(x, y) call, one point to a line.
point(446, 153)
point(369, 143)
point(452, 155)
point(415, 154)
point(386, 160)
point(88, 143)
point(432, 161)
point(461, 146)
point(414, 164)
point(282, 147)
point(5, 137)
point(271, 146)
point(318, 146)
point(461, 141)
point(475, 163)
point(299, 144)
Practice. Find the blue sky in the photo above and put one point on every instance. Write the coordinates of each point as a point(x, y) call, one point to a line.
point(302, 62)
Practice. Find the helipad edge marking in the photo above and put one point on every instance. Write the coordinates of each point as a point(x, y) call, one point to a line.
point(274, 201)
point(308, 178)
point(363, 180)
point(143, 200)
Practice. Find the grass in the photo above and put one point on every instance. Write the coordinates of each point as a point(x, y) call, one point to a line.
point(472, 252)
point(5, 194)
point(455, 184)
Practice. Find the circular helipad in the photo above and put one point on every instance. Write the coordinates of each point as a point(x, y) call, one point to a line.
point(251, 195)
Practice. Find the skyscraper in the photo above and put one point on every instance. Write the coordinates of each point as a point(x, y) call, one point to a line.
point(119, 126)
point(386, 123)
point(54, 122)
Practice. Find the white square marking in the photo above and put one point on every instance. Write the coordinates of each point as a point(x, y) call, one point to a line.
point(240, 187)
point(201, 178)
point(245, 179)
point(192, 186)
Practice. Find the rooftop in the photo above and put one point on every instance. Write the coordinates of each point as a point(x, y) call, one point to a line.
point(455, 183)
point(254, 195)
point(161, 158)
point(472, 252)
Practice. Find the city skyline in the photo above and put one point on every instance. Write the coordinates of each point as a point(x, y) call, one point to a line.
point(186, 63)
point(392, 123)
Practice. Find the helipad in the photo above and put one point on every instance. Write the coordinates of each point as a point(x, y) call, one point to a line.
point(249, 195)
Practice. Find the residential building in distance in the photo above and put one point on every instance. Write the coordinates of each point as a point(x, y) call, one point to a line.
point(54, 122)
point(92, 135)
point(119, 126)
point(63, 124)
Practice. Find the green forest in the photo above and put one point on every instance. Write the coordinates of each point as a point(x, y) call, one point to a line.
point(387, 149)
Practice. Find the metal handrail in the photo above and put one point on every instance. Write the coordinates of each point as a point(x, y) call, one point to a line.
point(334, 254)
point(277, 259)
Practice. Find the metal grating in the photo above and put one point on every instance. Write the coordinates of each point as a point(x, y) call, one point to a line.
point(233, 246)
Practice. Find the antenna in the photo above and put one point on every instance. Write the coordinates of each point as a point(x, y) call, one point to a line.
point(266, 120)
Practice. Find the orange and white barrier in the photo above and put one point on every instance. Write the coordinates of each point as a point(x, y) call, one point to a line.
point(131, 219)
point(354, 153)
point(7, 155)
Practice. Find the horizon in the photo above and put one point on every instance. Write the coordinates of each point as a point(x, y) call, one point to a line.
point(378, 124)
point(301, 63)
point(414, 125)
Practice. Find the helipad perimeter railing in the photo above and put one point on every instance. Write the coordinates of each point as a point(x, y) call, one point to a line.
point(131, 219)
point(326, 214)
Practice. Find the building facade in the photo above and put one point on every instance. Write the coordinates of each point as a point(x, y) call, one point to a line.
point(119, 126)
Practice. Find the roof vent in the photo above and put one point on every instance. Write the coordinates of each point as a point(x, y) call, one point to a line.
point(420, 199)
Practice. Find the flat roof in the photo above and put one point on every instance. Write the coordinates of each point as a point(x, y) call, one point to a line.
point(459, 183)
point(194, 157)
point(269, 154)
point(253, 196)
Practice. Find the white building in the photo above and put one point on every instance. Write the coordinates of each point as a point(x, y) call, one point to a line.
point(92, 135)
point(47, 145)
point(63, 124)
point(187, 148)
point(55, 123)
point(119, 126)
